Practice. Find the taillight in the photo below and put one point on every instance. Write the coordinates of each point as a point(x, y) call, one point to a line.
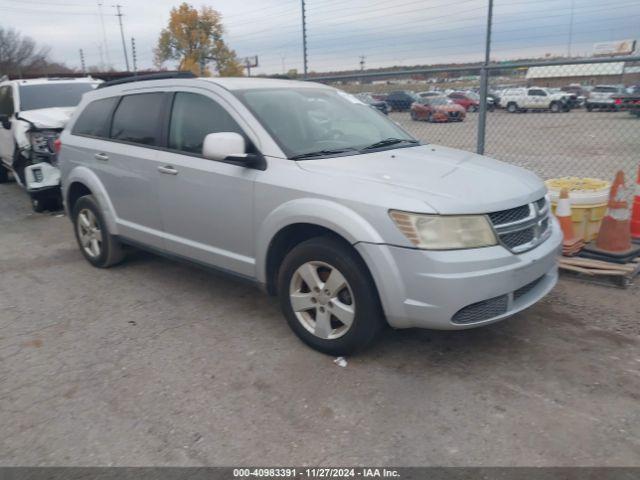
point(618, 101)
point(57, 145)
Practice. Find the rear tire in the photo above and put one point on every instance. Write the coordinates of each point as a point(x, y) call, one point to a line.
point(512, 107)
point(555, 107)
point(329, 282)
point(99, 247)
point(414, 116)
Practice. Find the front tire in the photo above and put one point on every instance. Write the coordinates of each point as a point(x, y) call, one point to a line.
point(512, 107)
point(328, 297)
point(99, 247)
point(4, 173)
point(555, 107)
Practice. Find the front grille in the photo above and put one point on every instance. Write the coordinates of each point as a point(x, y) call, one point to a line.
point(511, 215)
point(526, 289)
point(520, 237)
point(484, 310)
point(522, 228)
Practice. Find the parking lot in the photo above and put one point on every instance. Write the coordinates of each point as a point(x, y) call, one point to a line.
point(577, 143)
point(157, 363)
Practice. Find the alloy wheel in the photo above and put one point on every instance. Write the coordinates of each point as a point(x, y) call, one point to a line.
point(89, 233)
point(322, 300)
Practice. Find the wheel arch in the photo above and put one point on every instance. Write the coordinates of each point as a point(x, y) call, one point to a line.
point(82, 181)
point(297, 221)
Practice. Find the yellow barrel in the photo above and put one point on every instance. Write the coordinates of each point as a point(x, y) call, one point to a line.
point(589, 198)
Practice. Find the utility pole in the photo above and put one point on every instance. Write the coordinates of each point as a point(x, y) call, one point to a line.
point(124, 45)
point(570, 41)
point(362, 57)
point(100, 52)
point(84, 68)
point(104, 35)
point(484, 84)
point(133, 55)
point(304, 38)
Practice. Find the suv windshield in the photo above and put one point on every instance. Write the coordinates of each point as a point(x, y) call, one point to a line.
point(304, 121)
point(48, 95)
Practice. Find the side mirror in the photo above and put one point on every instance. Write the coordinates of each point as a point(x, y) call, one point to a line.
point(230, 147)
point(5, 121)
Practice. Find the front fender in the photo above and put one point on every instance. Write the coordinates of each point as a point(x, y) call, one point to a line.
point(90, 180)
point(324, 213)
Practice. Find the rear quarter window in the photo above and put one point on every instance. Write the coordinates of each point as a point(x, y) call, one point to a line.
point(95, 119)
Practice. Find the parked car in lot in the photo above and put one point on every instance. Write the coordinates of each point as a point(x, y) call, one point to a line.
point(601, 97)
point(437, 109)
point(400, 101)
point(471, 103)
point(629, 101)
point(351, 221)
point(32, 115)
point(578, 92)
point(377, 104)
point(534, 98)
point(431, 93)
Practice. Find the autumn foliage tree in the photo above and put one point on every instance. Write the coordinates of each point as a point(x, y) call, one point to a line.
point(194, 36)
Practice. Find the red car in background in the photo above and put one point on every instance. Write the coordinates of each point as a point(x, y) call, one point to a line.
point(466, 101)
point(437, 109)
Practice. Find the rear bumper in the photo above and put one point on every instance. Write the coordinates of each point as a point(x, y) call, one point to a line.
point(460, 289)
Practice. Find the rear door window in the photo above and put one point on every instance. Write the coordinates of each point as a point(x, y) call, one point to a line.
point(137, 118)
point(193, 117)
point(95, 119)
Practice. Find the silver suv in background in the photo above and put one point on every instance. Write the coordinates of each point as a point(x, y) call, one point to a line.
point(601, 97)
point(313, 195)
point(32, 115)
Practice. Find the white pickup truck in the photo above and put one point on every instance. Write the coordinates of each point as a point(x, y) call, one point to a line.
point(534, 98)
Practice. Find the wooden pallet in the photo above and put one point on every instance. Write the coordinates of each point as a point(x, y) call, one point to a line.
point(597, 270)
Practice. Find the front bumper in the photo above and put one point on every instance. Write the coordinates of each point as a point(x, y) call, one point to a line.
point(439, 290)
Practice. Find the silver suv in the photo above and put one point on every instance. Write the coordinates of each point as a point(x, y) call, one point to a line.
point(314, 196)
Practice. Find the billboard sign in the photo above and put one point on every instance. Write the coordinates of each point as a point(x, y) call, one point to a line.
point(619, 47)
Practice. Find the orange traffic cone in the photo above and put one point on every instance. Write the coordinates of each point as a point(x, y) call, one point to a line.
point(635, 212)
point(614, 237)
point(571, 244)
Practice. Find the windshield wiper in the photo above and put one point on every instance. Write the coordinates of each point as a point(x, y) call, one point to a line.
point(390, 141)
point(320, 153)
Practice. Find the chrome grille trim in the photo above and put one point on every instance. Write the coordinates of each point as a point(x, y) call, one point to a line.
point(534, 226)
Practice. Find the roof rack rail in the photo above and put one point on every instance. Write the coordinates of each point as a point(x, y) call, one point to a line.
point(141, 78)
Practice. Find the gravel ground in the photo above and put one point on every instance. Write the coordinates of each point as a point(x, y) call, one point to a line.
point(161, 363)
point(579, 143)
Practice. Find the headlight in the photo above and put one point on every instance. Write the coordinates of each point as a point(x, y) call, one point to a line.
point(436, 232)
point(42, 141)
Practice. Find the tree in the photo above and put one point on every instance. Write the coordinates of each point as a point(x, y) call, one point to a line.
point(194, 36)
point(20, 56)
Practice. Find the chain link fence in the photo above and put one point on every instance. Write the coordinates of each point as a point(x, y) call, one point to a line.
point(558, 120)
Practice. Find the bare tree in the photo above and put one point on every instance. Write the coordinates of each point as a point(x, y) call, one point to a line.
point(20, 55)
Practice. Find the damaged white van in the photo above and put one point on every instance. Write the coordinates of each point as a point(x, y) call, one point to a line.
point(32, 115)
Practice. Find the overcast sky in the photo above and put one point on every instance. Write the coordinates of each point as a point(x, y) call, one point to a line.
point(387, 32)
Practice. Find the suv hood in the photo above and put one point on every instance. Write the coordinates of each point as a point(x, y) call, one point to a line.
point(56, 117)
point(449, 181)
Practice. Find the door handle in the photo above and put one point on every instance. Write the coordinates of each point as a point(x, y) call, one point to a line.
point(103, 157)
point(169, 170)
